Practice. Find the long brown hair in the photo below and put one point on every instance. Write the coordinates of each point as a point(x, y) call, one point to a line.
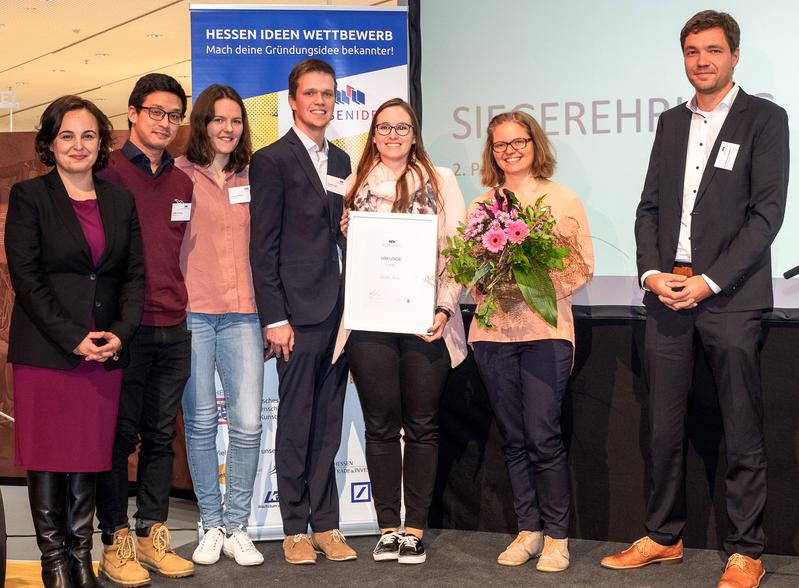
point(418, 162)
point(199, 149)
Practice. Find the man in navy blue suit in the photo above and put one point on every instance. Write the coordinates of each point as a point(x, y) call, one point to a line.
point(713, 201)
point(297, 188)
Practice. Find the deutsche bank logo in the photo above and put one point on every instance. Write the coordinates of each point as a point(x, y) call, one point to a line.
point(360, 492)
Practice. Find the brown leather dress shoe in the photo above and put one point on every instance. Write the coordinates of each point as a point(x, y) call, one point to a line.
point(742, 572)
point(642, 553)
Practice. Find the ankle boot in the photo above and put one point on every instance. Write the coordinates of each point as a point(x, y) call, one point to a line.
point(80, 490)
point(47, 492)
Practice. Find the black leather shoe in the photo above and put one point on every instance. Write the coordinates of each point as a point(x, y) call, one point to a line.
point(47, 492)
point(387, 548)
point(80, 490)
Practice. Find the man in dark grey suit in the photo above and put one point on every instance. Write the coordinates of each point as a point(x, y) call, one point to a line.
point(297, 199)
point(713, 201)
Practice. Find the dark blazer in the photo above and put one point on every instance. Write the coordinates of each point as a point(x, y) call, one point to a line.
point(294, 230)
point(58, 289)
point(737, 213)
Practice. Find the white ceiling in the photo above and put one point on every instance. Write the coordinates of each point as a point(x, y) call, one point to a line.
point(97, 48)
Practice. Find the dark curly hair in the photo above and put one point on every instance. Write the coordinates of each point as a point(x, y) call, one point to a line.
point(50, 124)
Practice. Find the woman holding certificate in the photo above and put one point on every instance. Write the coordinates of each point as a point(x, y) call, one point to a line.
point(226, 331)
point(399, 377)
point(525, 360)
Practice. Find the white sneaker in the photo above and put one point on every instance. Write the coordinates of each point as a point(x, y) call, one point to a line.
point(239, 546)
point(210, 546)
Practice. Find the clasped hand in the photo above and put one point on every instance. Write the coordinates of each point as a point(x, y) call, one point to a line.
point(99, 346)
point(678, 292)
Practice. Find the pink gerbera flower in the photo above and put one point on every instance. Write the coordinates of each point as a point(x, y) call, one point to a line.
point(517, 231)
point(494, 240)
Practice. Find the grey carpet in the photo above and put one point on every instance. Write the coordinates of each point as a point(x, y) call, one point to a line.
point(467, 558)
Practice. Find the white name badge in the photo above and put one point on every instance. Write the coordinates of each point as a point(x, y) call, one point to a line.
point(726, 156)
point(336, 185)
point(239, 194)
point(181, 211)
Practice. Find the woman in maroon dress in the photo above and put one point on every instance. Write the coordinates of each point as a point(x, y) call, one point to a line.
point(75, 259)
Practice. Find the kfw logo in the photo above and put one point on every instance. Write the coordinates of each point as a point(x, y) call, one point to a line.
point(350, 95)
point(360, 492)
point(271, 497)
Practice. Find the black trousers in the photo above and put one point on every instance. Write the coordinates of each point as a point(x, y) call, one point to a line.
point(732, 342)
point(311, 391)
point(152, 389)
point(400, 379)
point(526, 383)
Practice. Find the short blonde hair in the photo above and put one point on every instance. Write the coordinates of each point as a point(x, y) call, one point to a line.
point(543, 155)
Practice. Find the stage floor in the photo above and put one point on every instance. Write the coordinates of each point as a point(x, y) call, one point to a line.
point(455, 558)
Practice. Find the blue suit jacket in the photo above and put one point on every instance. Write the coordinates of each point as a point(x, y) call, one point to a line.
point(294, 230)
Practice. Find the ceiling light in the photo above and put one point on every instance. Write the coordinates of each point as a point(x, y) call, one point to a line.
point(101, 54)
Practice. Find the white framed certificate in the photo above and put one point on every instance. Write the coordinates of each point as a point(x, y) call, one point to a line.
point(390, 283)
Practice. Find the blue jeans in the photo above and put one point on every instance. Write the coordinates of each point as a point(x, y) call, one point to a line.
point(234, 345)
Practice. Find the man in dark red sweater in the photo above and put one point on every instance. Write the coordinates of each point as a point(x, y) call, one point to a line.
point(160, 352)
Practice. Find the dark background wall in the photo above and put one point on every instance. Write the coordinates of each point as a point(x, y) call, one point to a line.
point(605, 425)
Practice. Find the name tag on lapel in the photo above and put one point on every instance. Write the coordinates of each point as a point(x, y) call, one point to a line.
point(239, 194)
point(726, 156)
point(335, 185)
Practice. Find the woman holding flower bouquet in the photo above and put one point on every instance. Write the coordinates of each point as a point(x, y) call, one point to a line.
point(524, 250)
point(400, 378)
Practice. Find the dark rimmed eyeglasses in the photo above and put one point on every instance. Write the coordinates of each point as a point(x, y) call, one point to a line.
point(517, 144)
point(402, 129)
point(158, 113)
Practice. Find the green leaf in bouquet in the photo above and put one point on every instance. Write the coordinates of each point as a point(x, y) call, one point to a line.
point(538, 291)
point(479, 275)
point(484, 311)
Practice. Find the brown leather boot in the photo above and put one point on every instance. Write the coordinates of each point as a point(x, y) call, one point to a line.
point(155, 553)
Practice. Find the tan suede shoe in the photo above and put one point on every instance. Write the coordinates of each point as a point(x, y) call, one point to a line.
point(333, 545)
point(642, 553)
point(554, 556)
point(526, 545)
point(297, 549)
point(155, 552)
point(118, 561)
point(742, 572)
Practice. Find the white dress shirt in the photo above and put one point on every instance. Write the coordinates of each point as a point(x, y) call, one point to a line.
point(704, 131)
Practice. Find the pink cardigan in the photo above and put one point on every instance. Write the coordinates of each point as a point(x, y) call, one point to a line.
point(448, 291)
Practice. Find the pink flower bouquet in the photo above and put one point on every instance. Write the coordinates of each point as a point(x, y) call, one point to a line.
point(503, 244)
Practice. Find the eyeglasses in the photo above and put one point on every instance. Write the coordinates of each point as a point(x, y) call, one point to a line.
point(517, 144)
point(158, 113)
point(402, 129)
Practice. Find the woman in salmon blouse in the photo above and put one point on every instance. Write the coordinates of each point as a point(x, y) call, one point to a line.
point(226, 332)
point(525, 362)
